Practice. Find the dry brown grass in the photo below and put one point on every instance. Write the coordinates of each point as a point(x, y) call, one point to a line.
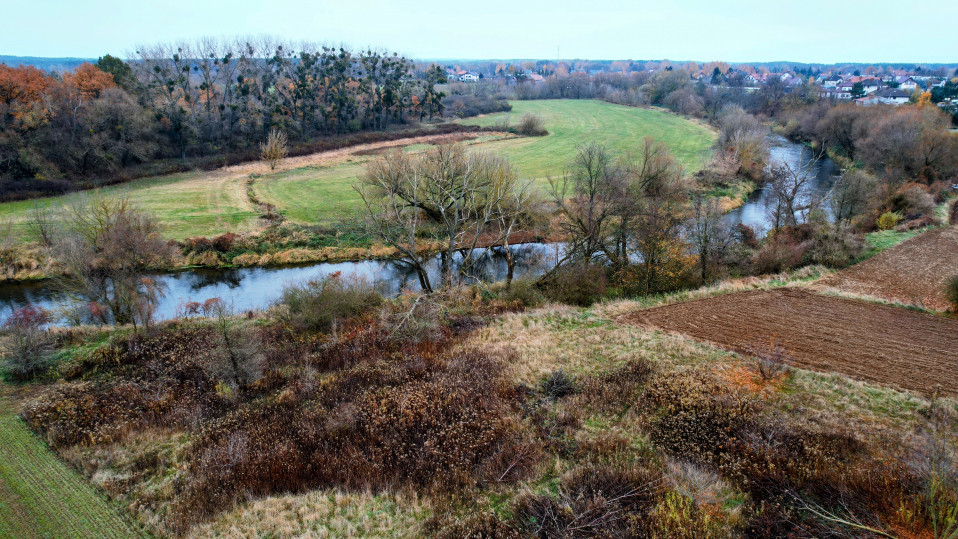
point(581, 342)
point(320, 513)
point(589, 341)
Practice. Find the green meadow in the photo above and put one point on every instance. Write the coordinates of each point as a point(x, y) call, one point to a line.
point(211, 203)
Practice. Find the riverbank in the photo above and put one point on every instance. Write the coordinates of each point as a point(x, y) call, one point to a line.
point(32, 264)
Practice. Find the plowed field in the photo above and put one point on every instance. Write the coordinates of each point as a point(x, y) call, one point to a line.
point(913, 272)
point(877, 343)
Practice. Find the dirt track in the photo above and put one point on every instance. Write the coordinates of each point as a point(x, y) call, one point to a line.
point(332, 157)
point(913, 272)
point(877, 343)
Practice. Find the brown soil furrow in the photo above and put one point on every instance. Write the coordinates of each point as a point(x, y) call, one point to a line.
point(913, 272)
point(868, 341)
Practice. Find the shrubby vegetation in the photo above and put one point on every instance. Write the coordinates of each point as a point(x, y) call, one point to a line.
point(951, 292)
point(106, 248)
point(352, 406)
point(318, 304)
point(28, 348)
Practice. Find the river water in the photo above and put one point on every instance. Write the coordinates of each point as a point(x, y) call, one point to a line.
point(258, 288)
point(823, 173)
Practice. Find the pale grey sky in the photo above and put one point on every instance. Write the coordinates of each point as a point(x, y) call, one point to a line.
point(824, 31)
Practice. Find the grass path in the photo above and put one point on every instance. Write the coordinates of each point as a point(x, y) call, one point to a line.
point(42, 497)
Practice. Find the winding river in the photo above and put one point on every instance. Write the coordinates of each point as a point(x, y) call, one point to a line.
point(823, 173)
point(257, 288)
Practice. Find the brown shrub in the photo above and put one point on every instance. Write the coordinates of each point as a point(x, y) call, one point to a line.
point(777, 255)
point(951, 293)
point(319, 304)
point(531, 125)
point(770, 360)
point(197, 245)
point(28, 344)
point(593, 501)
point(224, 243)
point(693, 416)
point(617, 390)
point(916, 201)
point(581, 284)
point(558, 384)
point(430, 423)
point(151, 381)
point(783, 465)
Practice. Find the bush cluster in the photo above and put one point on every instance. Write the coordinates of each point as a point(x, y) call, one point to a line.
point(153, 381)
point(436, 422)
point(783, 465)
point(581, 284)
point(358, 408)
point(593, 501)
point(951, 292)
point(531, 125)
point(833, 245)
point(318, 303)
point(28, 345)
point(465, 106)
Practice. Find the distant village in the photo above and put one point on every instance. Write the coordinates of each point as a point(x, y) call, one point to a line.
point(881, 85)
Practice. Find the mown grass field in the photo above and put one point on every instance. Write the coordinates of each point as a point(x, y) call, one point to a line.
point(211, 203)
point(573, 123)
point(325, 194)
point(187, 204)
point(42, 497)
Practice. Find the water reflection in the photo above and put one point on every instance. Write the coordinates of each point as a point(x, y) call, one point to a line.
point(754, 212)
point(257, 288)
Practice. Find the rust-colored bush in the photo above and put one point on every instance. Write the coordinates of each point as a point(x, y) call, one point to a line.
point(580, 285)
point(430, 423)
point(617, 390)
point(150, 381)
point(224, 243)
point(593, 501)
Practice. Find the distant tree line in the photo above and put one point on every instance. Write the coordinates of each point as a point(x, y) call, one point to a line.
point(196, 100)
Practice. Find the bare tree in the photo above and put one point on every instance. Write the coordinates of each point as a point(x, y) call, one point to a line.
point(792, 200)
point(852, 194)
point(106, 250)
point(742, 135)
point(459, 196)
point(275, 148)
point(656, 237)
point(28, 345)
point(511, 212)
point(586, 199)
point(651, 175)
point(238, 356)
point(42, 222)
point(708, 232)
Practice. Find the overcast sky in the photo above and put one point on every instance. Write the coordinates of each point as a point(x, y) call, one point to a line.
point(825, 31)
